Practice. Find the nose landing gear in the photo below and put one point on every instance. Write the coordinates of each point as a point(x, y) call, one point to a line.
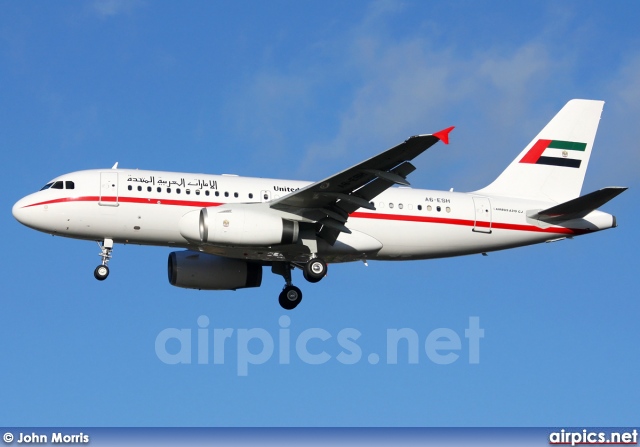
point(102, 271)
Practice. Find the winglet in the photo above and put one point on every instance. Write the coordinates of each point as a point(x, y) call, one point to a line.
point(443, 135)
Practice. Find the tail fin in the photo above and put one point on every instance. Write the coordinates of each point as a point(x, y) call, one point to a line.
point(553, 165)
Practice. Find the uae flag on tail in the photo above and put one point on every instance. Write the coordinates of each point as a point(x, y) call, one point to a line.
point(555, 153)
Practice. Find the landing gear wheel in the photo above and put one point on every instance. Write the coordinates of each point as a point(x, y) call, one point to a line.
point(314, 270)
point(290, 297)
point(101, 272)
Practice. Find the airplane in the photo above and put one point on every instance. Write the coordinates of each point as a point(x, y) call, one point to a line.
point(229, 227)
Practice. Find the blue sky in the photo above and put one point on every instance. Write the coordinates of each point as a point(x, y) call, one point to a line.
point(302, 90)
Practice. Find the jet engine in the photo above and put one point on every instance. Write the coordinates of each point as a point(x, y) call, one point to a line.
point(238, 226)
point(195, 270)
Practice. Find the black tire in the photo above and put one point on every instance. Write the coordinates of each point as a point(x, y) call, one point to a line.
point(315, 270)
point(101, 272)
point(290, 297)
point(310, 278)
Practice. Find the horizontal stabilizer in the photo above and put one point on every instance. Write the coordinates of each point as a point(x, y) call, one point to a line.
point(579, 207)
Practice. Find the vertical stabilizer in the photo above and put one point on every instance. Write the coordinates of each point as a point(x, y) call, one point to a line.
point(553, 165)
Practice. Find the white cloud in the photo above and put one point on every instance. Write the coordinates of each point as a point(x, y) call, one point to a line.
point(407, 88)
point(619, 137)
point(111, 8)
point(402, 85)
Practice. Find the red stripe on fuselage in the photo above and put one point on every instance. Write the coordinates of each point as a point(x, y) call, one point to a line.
point(359, 215)
point(142, 200)
point(467, 223)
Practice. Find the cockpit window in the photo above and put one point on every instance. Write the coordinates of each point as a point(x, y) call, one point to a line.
point(67, 184)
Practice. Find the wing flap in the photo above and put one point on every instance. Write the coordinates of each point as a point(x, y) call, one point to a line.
point(389, 176)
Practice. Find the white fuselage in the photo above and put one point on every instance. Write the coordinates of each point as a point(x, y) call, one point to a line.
point(145, 207)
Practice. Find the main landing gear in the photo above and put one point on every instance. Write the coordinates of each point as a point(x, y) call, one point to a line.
point(313, 271)
point(102, 271)
point(290, 297)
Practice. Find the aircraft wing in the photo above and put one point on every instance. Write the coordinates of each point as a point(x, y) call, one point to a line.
point(330, 201)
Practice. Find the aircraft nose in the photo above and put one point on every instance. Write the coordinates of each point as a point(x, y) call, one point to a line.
point(18, 211)
point(23, 213)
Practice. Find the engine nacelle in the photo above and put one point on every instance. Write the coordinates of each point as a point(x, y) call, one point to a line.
point(195, 270)
point(238, 226)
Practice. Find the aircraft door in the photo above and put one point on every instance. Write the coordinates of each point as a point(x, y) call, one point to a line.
point(482, 223)
point(108, 189)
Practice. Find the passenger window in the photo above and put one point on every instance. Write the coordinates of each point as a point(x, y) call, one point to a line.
point(129, 187)
point(448, 209)
point(429, 208)
point(206, 193)
point(47, 186)
point(169, 190)
point(226, 194)
point(177, 190)
point(139, 188)
point(148, 188)
point(57, 185)
point(438, 209)
point(251, 195)
point(390, 205)
point(69, 185)
point(159, 189)
point(217, 193)
point(235, 194)
point(419, 207)
point(188, 191)
point(400, 205)
point(197, 192)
